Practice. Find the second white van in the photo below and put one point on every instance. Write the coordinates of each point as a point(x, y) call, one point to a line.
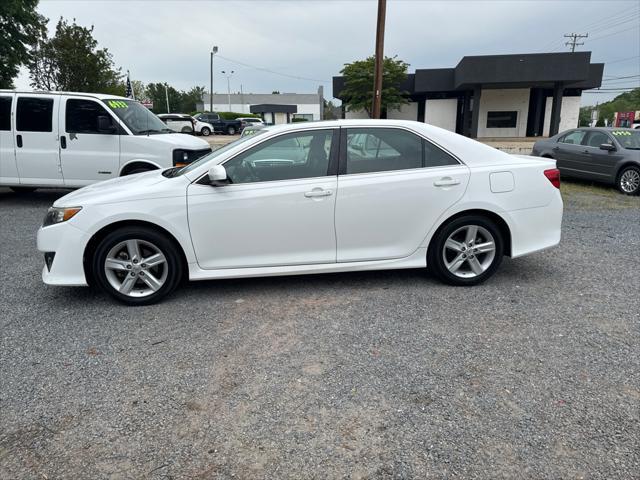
point(59, 139)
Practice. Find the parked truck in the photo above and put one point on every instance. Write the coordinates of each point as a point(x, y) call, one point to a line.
point(229, 127)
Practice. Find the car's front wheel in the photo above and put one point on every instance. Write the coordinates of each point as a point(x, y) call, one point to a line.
point(205, 131)
point(629, 180)
point(231, 130)
point(137, 265)
point(466, 251)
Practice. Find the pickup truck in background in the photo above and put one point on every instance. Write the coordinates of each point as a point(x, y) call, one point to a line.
point(230, 127)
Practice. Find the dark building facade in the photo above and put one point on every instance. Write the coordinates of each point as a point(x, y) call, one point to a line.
point(527, 95)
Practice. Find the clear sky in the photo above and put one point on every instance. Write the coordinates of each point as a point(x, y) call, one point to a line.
point(307, 42)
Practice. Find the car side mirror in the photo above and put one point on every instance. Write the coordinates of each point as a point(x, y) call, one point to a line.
point(608, 147)
point(218, 176)
point(105, 125)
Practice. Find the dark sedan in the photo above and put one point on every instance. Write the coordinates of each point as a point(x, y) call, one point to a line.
point(610, 155)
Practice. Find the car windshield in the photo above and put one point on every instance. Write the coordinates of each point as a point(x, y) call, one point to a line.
point(139, 119)
point(206, 158)
point(629, 139)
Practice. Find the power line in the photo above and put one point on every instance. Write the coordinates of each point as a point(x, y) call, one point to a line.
point(622, 60)
point(296, 77)
point(616, 78)
point(615, 33)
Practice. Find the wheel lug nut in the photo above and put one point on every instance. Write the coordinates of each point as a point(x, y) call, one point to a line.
point(129, 267)
point(144, 265)
point(133, 274)
point(135, 261)
point(142, 274)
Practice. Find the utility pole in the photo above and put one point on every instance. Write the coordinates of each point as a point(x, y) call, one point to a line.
point(214, 50)
point(377, 75)
point(228, 75)
point(166, 97)
point(574, 39)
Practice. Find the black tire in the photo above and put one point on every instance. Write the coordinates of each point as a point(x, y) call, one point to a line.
point(205, 131)
point(186, 130)
point(628, 181)
point(23, 190)
point(135, 170)
point(437, 253)
point(231, 130)
point(145, 236)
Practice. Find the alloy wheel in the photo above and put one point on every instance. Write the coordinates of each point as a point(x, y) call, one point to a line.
point(136, 268)
point(469, 251)
point(630, 180)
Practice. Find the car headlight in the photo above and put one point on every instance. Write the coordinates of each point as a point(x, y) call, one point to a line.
point(58, 215)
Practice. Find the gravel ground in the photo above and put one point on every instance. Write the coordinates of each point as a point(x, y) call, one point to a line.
point(535, 374)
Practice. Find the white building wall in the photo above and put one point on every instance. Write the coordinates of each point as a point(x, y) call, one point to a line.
point(441, 113)
point(503, 100)
point(408, 111)
point(569, 114)
point(313, 109)
point(358, 115)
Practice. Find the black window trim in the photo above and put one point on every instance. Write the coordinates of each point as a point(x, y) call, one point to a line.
point(331, 170)
point(342, 168)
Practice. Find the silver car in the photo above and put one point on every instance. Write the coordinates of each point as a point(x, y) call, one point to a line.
point(609, 155)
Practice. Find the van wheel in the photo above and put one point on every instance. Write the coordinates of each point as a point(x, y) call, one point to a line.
point(466, 251)
point(137, 265)
point(231, 130)
point(22, 190)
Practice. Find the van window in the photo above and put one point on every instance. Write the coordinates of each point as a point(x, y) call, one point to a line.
point(5, 113)
point(82, 116)
point(34, 114)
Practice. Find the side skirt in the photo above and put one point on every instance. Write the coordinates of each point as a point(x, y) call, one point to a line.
point(416, 260)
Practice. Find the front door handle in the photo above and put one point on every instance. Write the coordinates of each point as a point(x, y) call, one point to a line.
point(318, 193)
point(19, 141)
point(446, 182)
point(63, 142)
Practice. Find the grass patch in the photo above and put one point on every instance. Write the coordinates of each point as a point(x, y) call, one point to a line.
point(596, 196)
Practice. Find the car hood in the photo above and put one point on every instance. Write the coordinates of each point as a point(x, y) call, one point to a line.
point(180, 140)
point(141, 186)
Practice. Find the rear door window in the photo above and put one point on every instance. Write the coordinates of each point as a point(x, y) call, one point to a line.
point(382, 149)
point(34, 114)
point(5, 113)
point(573, 138)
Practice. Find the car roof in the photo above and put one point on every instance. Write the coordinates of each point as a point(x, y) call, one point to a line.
point(101, 96)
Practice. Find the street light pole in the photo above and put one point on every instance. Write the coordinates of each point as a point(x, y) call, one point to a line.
point(377, 76)
point(214, 50)
point(228, 75)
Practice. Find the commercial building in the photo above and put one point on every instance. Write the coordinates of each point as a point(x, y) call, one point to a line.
point(274, 108)
point(523, 95)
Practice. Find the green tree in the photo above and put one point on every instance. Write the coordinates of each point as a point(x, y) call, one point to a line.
point(156, 93)
point(20, 25)
point(357, 93)
point(330, 110)
point(71, 61)
point(191, 98)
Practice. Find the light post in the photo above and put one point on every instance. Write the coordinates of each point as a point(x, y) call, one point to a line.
point(214, 50)
point(228, 75)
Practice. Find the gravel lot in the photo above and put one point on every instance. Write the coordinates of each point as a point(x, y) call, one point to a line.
point(535, 374)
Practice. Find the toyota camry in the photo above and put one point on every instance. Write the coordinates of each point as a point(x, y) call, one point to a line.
point(321, 197)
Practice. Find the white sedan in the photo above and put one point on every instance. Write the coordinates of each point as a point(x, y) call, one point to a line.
point(331, 196)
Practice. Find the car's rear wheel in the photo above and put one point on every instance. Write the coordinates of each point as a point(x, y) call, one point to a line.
point(137, 265)
point(205, 131)
point(629, 180)
point(186, 130)
point(231, 130)
point(466, 251)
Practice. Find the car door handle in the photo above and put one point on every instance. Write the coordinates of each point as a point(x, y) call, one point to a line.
point(446, 182)
point(19, 141)
point(555, 149)
point(318, 193)
point(63, 142)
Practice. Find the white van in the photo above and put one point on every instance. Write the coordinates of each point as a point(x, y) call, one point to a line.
point(60, 139)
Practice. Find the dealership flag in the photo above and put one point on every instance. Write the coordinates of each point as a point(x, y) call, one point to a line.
point(129, 91)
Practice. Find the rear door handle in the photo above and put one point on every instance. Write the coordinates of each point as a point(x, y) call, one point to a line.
point(446, 182)
point(63, 142)
point(19, 141)
point(318, 193)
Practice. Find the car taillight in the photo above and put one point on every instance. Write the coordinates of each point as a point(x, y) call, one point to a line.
point(554, 176)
